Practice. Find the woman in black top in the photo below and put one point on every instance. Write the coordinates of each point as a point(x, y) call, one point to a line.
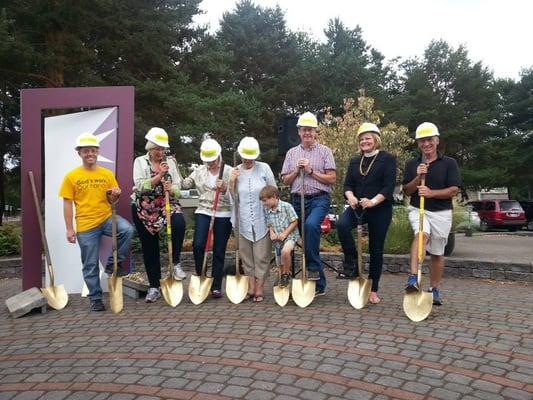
point(368, 187)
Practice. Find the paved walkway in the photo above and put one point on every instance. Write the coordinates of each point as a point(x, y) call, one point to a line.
point(479, 345)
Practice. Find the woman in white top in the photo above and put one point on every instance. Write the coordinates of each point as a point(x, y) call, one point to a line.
point(153, 175)
point(255, 247)
point(205, 180)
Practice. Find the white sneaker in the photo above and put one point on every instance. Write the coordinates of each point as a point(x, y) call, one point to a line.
point(152, 295)
point(178, 273)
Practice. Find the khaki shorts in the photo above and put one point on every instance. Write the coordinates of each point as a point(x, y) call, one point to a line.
point(437, 224)
point(289, 244)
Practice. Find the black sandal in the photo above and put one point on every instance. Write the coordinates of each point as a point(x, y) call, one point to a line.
point(345, 274)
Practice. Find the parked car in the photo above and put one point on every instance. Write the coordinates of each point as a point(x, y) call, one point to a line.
point(527, 205)
point(507, 214)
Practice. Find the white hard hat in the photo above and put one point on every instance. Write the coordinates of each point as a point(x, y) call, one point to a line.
point(368, 127)
point(209, 150)
point(248, 148)
point(426, 129)
point(307, 119)
point(158, 136)
point(87, 139)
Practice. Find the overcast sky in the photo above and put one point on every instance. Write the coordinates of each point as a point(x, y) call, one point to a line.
point(497, 32)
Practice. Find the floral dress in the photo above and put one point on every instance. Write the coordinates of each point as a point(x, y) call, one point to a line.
point(151, 207)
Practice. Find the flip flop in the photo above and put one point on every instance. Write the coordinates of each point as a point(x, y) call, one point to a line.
point(258, 299)
point(374, 299)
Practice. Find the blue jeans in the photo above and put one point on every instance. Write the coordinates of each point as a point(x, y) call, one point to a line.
point(221, 232)
point(378, 220)
point(316, 208)
point(89, 242)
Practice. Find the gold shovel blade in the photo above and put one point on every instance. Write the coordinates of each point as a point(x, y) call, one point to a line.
point(115, 293)
point(303, 292)
point(358, 292)
point(417, 305)
point(84, 290)
point(56, 296)
point(236, 288)
point(281, 295)
point(172, 290)
point(199, 288)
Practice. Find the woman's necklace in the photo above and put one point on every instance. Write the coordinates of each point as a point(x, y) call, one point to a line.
point(365, 173)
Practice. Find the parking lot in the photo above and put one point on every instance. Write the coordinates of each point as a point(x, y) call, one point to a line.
point(495, 246)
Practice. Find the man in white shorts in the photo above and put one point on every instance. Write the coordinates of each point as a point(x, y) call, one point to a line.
point(443, 181)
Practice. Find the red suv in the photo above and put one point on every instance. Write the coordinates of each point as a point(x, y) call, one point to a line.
point(499, 214)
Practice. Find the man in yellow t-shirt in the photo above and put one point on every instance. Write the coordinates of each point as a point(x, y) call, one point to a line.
point(90, 188)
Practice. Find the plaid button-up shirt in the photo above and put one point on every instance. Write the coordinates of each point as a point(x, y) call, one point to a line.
point(281, 218)
point(320, 158)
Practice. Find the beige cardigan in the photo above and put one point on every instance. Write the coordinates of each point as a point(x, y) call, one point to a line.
point(200, 180)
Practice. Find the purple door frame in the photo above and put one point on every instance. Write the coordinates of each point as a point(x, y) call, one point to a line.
point(32, 103)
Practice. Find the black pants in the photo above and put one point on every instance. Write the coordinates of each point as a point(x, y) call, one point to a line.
point(150, 245)
point(378, 220)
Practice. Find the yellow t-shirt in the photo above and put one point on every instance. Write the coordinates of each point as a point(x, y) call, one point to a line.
point(88, 190)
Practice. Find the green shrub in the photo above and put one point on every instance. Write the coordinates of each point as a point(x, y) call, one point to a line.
point(400, 234)
point(9, 240)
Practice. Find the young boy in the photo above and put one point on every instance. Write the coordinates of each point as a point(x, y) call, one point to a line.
point(283, 225)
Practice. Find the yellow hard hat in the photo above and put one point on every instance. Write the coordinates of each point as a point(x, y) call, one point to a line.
point(307, 119)
point(248, 148)
point(158, 136)
point(426, 129)
point(209, 150)
point(87, 139)
point(368, 127)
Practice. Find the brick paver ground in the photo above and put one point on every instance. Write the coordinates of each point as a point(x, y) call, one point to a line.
point(479, 345)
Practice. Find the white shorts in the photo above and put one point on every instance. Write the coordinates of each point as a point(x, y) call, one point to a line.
point(437, 224)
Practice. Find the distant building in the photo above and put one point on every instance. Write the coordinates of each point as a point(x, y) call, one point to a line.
point(485, 194)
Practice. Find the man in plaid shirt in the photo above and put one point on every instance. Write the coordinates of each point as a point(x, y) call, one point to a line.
point(283, 225)
point(319, 165)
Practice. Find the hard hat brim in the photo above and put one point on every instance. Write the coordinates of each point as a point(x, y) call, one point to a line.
point(427, 136)
point(209, 159)
point(160, 144)
point(248, 156)
point(368, 131)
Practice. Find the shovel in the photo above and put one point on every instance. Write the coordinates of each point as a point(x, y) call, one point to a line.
point(281, 294)
point(114, 283)
point(417, 305)
point(56, 296)
point(236, 285)
point(359, 288)
point(303, 291)
point(171, 289)
point(200, 285)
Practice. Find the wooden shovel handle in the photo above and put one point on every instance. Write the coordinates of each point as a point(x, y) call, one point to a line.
point(302, 224)
point(41, 228)
point(212, 221)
